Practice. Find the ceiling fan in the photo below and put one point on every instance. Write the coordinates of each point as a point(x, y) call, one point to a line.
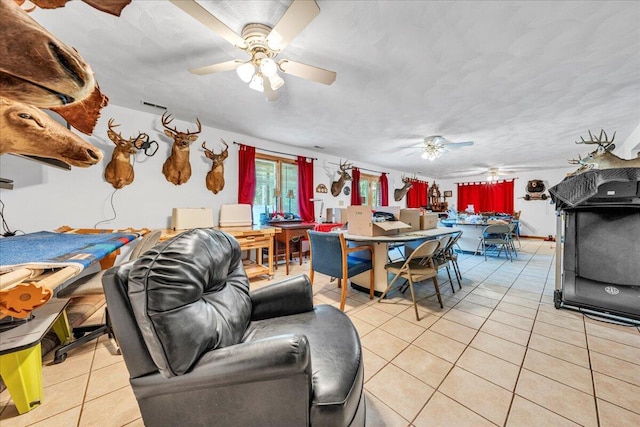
point(494, 174)
point(435, 146)
point(263, 44)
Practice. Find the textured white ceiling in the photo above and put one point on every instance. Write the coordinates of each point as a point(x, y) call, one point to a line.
point(523, 79)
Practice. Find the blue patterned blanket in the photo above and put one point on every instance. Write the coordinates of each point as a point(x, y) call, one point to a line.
point(45, 249)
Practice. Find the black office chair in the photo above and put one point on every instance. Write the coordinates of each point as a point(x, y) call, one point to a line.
point(92, 285)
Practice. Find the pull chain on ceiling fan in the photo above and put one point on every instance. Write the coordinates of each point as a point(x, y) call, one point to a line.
point(263, 44)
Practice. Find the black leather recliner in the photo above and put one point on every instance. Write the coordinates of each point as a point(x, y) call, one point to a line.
point(201, 349)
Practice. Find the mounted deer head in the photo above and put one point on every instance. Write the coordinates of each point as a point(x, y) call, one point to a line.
point(336, 186)
point(25, 129)
point(40, 70)
point(602, 157)
point(114, 7)
point(399, 193)
point(119, 171)
point(215, 177)
point(177, 168)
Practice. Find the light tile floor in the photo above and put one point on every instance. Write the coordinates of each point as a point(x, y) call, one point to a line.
point(499, 353)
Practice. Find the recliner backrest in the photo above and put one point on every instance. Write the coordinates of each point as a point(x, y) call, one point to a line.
point(190, 295)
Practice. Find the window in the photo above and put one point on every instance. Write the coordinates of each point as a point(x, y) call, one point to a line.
point(276, 186)
point(370, 189)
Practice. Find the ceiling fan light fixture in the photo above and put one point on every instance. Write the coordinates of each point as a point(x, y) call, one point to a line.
point(276, 81)
point(268, 67)
point(492, 178)
point(432, 151)
point(257, 83)
point(246, 71)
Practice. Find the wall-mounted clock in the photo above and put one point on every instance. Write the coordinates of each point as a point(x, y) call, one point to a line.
point(346, 191)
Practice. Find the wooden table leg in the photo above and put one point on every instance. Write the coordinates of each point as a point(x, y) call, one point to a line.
point(286, 252)
point(275, 264)
point(270, 256)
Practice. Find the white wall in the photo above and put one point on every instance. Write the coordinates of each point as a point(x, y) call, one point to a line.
point(45, 198)
point(538, 216)
point(630, 148)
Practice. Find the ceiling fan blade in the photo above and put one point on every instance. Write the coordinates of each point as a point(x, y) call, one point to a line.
point(459, 144)
point(308, 72)
point(214, 24)
point(271, 94)
point(456, 145)
point(217, 68)
point(294, 20)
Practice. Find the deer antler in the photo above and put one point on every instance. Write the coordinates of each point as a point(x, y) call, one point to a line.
point(575, 162)
point(168, 119)
point(344, 166)
point(165, 122)
point(599, 140)
point(204, 146)
point(114, 136)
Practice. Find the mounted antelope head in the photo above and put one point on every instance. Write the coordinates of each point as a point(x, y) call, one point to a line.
point(40, 70)
point(119, 171)
point(336, 186)
point(25, 129)
point(215, 177)
point(399, 193)
point(177, 168)
point(602, 157)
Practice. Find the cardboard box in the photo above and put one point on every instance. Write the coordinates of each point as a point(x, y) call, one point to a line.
point(411, 216)
point(428, 221)
point(361, 222)
point(187, 218)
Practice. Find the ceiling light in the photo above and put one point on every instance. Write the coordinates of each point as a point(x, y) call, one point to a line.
point(246, 71)
point(492, 177)
point(432, 151)
point(268, 67)
point(257, 83)
point(276, 81)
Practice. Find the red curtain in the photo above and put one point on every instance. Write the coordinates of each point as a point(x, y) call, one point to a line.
point(499, 197)
point(496, 197)
point(356, 200)
point(384, 190)
point(247, 174)
point(418, 194)
point(305, 189)
point(469, 194)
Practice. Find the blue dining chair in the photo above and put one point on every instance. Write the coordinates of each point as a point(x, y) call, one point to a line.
point(330, 255)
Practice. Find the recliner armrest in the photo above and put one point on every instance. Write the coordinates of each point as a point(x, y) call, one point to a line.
point(289, 296)
point(246, 363)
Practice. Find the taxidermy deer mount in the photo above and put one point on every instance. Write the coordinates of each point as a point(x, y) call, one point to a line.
point(177, 168)
point(119, 171)
point(602, 157)
point(40, 70)
point(215, 177)
point(27, 130)
point(399, 193)
point(336, 186)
